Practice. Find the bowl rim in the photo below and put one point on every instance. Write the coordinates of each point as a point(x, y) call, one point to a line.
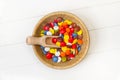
point(83, 25)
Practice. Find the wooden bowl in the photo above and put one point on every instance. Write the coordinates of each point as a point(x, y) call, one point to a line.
point(62, 65)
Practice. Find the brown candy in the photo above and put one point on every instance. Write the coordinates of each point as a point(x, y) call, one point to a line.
point(77, 28)
point(59, 39)
point(59, 19)
point(80, 36)
point(56, 34)
point(74, 25)
point(69, 46)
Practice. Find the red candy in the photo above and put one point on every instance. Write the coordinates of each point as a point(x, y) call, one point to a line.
point(62, 31)
point(46, 28)
point(74, 46)
point(52, 24)
point(62, 44)
point(71, 56)
point(71, 30)
point(54, 40)
point(48, 55)
point(71, 40)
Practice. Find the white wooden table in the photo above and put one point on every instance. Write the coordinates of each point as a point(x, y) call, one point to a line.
point(18, 18)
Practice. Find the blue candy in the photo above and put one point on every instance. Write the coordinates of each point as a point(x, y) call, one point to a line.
point(55, 59)
point(44, 52)
point(55, 24)
point(74, 35)
point(61, 35)
point(79, 48)
point(45, 32)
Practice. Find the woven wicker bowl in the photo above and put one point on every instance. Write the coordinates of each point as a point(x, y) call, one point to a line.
point(62, 65)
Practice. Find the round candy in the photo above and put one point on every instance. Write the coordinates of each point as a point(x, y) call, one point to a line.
point(74, 41)
point(67, 52)
point(45, 32)
point(54, 40)
point(68, 30)
point(59, 59)
point(53, 50)
point(63, 59)
point(71, 30)
point(70, 40)
point(71, 56)
point(46, 28)
point(51, 30)
point(55, 27)
point(59, 39)
point(62, 54)
point(51, 24)
point(49, 33)
point(79, 48)
point(74, 25)
point(42, 31)
point(74, 35)
point(64, 49)
point(58, 43)
point(68, 22)
point(62, 31)
point(80, 36)
point(80, 42)
point(46, 49)
point(59, 19)
point(48, 55)
point(55, 59)
point(62, 44)
point(55, 24)
point(69, 44)
point(79, 32)
point(57, 53)
point(74, 46)
point(77, 28)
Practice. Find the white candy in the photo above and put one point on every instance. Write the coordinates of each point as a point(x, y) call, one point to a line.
point(46, 49)
point(59, 59)
point(57, 53)
point(69, 44)
point(55, 27)
point(49, 33)
point(70, 26)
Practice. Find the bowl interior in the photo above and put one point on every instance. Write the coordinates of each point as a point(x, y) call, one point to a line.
point(50, 18)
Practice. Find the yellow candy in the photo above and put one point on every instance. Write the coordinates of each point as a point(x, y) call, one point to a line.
point(60, 23)
point(75, 41)
point(66, 40)
point(41, 34)
point(68, 22)
point(73, 51)
point(53, 50)
point(64, 49)
point(58, 43)
point(52, 31)
point(80, 32)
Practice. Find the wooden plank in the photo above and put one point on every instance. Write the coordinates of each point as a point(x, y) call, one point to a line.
point(101, 66)
point(14, 10)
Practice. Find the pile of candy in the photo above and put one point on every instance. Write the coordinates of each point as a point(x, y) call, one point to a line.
point(69, 40)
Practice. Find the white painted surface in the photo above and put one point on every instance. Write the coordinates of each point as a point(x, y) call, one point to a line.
point(18, 18)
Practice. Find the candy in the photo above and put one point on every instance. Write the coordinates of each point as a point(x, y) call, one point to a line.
point(53, 51)
point(62, 54)
point(58, 43)
point(76, 51)
point(64, 49)
point(74, 41)
point(68, 22)
point(64, 24)
point(67, 52)
point(80, 42)
point(79, 48)
point(74, 46)
point(79, 32)
point(57, 53)
point(74, 35)
point(46, 28)
point(54, 40)
point(68, 30)
point(44, 52)
point(73, 25)
point(45, 32)
point(59, 39)
point(71, 30)
point(60, 23)
point(69, 44)
point(55, 59)
point(46, 49)
point(80, 36)
point(51, 24)
point(71, 56)
point(42, 31)
point(49, 33)
point(71, 40)
point(63, 59)
point(55, 27)
point(62, 44)
point(41, 34)
point(77, 28)
point(51, 30)
point(62, 31)
point(48, 55)
point(59, 19)
point(59, 59)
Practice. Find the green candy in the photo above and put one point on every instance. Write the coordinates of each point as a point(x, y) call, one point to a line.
point(63, 59)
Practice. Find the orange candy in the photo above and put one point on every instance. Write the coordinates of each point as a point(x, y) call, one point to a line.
point(67, 52)
point(68, 30)
point(76, 51)
point(62, 54)
point(64, 24)
point(80, 42)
